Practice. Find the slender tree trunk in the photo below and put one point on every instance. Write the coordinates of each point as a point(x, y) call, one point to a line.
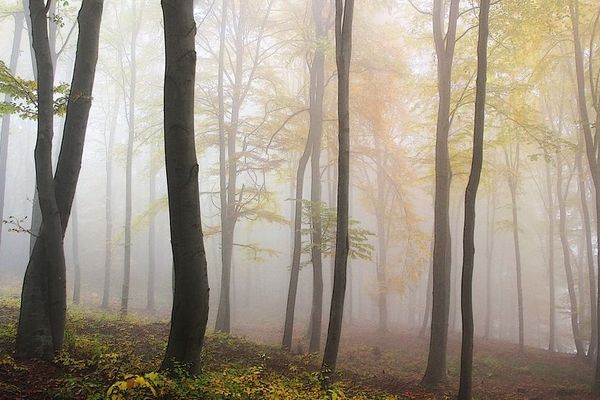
point(108, 208)
point(589, 253)
point(427, 314)
point(512, 185)
point(150, 306)
point(129, 162)
point(190, 298)
point(590, 147)
point(380, 216)
point(76, 264)
point(574, 313)
point(344, 11)
point(297, 249)
point(444, 45)
point(5, 128)
point(466, 355)
point(317, 89)
point(551, 219)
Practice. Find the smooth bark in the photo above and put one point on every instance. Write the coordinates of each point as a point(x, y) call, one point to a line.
point(190, 298)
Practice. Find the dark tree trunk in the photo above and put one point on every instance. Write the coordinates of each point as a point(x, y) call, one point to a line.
point(590, 147)
point(5, 129)
point(43, 301)
point(466, 355)
point(190, 298)
point(108, 207)
point(564, 240)
point(344, 11)
point(297, 249)
point(444, 47)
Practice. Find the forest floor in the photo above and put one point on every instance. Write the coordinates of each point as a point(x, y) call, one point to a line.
point(101, 350)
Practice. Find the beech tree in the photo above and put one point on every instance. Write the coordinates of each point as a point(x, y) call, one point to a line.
point(42, 316)
point(190, 296)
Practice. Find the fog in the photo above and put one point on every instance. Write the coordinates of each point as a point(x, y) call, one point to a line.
point(534, 168)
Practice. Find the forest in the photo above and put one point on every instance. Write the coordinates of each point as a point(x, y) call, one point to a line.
point(285, 199)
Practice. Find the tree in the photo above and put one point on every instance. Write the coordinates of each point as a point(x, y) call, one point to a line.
point(43, 301)
point(344, 11)
point(466, 355)
point(591, 141)
point(190, 297)
point(444, 49)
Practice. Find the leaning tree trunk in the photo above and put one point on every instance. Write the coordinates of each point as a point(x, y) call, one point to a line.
point(5, 129)
point(574, 313)
point(344, 11)
point(190, 298)
point(444, 46)
point(466, 355)
point(43, 301)
point(590, 147)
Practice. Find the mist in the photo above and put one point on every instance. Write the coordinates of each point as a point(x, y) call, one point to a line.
point(267, 134)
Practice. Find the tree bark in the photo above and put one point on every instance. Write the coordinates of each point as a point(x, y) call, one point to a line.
point(190, 298)
point(344, 11)
point(466, 355)
point(444, 46)
point(43, 302)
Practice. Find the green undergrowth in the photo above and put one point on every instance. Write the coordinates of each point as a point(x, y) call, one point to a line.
point(108, 357)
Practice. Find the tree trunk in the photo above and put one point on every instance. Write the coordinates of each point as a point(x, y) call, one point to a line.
point(551, 218)
point(317, 89)
point(574, 313)
point(190, 298)
point(466, 355)
point(381, 217)
point(344, 11)
point(41, 323)
point(108, 208)
point(444, 46)
point(129, 162)
point(512, 185)
point(589, 252)
point(5, 129)
point(151, 240)
point(591, 153)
